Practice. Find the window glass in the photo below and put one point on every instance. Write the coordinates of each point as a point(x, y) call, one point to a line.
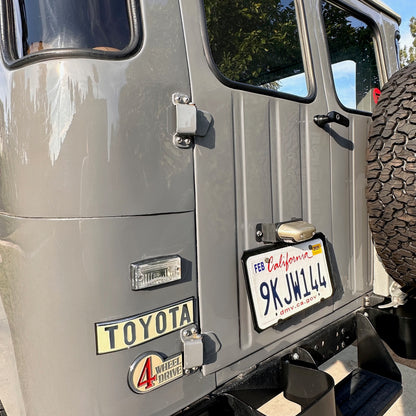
point(257, 43)
point(81, 24)
point(353, 59)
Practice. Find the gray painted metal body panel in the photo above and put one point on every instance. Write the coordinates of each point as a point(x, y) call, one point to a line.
point(92, 138)
point(60, 277)
point(91, 182)
point(88, 170)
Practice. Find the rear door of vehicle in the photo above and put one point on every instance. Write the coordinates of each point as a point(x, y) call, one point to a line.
point(264, 160)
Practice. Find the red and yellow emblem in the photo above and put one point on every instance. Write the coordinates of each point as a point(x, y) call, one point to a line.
point(151, 370)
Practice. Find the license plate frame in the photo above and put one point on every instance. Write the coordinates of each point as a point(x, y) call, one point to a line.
point(283, 280)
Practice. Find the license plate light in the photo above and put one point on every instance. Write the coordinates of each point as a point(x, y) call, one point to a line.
point(155, 272)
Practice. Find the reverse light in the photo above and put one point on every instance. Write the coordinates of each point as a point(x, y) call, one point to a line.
point(155, 272)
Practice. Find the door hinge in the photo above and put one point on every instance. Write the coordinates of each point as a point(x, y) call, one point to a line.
point(193, 349)
point(190, 121)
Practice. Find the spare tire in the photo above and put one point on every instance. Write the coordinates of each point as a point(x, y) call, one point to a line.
point(391, 177)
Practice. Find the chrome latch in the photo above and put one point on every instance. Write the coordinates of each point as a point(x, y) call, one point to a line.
point(186, 120)
point(294, 231)
point(193, 349)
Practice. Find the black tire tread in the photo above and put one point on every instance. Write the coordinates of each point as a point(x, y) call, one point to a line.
point(391, 179)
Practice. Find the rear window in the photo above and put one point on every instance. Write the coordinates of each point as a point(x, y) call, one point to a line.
point(95, 25)
point(257, 43)
point(352, 50)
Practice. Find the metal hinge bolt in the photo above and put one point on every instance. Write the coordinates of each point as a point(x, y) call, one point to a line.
point(179, 98)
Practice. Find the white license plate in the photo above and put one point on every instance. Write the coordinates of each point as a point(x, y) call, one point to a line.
point(285, 281)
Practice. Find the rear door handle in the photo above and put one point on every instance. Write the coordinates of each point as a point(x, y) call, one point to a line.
point(331, 117)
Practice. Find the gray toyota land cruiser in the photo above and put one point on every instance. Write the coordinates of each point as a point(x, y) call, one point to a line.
point(203, 201)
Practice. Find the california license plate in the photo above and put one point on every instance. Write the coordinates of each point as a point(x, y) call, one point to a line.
point(284, 281)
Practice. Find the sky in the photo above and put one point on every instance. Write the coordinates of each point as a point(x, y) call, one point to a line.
point(406, 9)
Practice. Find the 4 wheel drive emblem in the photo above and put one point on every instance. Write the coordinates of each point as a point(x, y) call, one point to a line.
point(152, 370)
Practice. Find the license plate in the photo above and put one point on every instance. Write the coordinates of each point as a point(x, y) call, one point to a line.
point(284, 281)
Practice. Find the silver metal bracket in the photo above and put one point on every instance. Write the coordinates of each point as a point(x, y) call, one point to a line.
point(186, 120)
point(193, 349)
point(398, 298)
point(293, 231)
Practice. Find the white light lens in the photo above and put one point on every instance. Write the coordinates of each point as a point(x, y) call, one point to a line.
point(155, 272)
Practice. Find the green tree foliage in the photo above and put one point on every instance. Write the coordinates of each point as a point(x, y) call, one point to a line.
point(351, 39)
point(409, 55)
point(257, 42)
point(253, 41)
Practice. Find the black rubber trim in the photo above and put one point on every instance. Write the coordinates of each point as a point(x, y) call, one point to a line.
point(252, 88)
point(376, 40)
point(9, 53)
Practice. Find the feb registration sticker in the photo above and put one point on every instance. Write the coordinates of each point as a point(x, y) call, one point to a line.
point(286, 280)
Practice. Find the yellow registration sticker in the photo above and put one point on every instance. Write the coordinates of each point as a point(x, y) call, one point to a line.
point(316, 249)
point(135, 330)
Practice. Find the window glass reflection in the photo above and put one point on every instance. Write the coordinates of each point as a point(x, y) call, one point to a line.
point(81, 24)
